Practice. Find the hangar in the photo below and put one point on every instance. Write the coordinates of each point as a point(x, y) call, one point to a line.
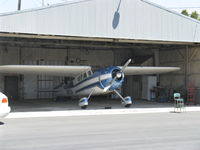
point(99, 33)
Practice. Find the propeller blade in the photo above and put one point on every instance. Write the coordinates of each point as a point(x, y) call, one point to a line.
point(110, 84)
point(125, 65)
point(106, 88)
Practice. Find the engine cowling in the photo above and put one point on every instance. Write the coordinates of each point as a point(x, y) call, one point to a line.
point(115, 80)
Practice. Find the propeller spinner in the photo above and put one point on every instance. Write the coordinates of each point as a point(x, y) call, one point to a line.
point(117, 75)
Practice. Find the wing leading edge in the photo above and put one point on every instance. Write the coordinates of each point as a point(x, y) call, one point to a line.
point(45, 69)
point(76, 70)
point(148, 70)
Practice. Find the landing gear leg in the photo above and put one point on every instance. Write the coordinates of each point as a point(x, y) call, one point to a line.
point(127, 102)
point(83, 102)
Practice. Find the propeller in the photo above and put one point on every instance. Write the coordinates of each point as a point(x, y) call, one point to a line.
point(118, 75)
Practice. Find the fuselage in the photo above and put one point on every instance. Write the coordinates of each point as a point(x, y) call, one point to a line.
point(97, 82)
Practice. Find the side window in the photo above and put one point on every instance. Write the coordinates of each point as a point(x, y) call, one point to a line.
point(89, 73)
point(79, 78)
point(85, 75)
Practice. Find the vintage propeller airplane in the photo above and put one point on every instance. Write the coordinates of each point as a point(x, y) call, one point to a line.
point(85, 82)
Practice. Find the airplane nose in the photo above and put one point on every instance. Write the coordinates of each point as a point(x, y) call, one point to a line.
point(119, 75)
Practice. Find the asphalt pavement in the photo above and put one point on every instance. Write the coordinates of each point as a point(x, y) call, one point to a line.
point(155, 131)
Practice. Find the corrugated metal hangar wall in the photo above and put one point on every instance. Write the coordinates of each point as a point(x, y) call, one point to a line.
point(119, 19)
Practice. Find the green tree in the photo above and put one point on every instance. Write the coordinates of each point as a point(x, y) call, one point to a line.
point(184, 12)
point(194, 15)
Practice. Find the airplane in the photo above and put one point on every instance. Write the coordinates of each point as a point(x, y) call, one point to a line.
point(87, 83)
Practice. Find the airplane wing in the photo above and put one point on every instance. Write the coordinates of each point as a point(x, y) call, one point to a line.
point(44, 69)
point(148, 70)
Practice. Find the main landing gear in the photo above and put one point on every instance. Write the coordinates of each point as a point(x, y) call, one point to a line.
point(83, 102)
point(126, 102)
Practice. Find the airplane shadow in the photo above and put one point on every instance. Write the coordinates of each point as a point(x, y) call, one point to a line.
point(175, 112)
point(1, 123)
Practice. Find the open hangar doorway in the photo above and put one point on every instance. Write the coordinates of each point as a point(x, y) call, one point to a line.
point(72, 51)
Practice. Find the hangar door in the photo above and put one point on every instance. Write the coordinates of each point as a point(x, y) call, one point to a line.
point(11, 87)
point(40, 86)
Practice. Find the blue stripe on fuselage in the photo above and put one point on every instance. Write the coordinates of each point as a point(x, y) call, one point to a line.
point(98, 73)
point(95, 83)
point(88, 78)
point(89, 86)
point(116, 85)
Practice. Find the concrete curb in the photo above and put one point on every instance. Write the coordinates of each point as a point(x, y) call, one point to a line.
point(96, 112)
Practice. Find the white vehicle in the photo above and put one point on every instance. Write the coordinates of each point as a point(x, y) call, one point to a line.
point(4, 108)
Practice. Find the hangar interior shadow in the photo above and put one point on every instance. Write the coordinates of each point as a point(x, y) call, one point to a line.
point(72, 104)
point(36, 92)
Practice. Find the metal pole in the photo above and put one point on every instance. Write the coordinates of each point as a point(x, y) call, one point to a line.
point(186, 66)
point(19, 5)
point(157, 63)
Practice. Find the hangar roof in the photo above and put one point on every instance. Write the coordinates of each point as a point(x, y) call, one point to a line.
point(138, 20)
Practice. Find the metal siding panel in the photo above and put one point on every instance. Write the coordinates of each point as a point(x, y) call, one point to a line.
point(146, 22)
point(197, 37)
point(165, 26)
point(137, 15)
point(139, 21)
point(191, 31)
point(101, 18)
point(93, 18)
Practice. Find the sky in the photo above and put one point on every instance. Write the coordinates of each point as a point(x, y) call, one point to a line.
point(176, 5)
point(179, 5)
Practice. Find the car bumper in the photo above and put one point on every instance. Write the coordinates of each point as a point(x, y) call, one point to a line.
point(4, 111)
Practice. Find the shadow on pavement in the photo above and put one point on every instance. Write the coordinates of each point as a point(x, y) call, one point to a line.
point(1, 123)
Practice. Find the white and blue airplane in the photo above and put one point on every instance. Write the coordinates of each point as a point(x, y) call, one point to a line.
point(87, 83)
